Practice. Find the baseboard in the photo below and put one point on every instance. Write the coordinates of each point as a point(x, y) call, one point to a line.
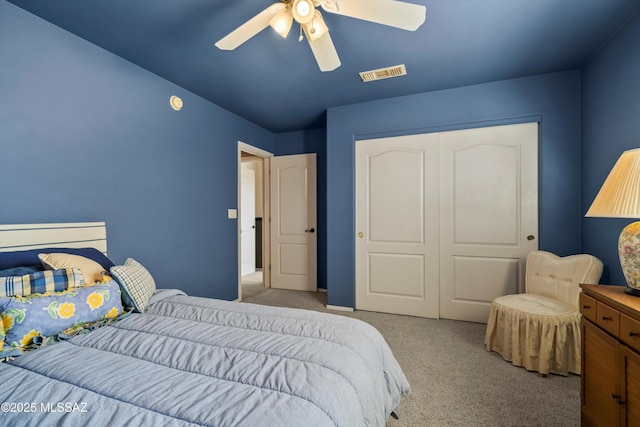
point(338, 308)
point(322, 290)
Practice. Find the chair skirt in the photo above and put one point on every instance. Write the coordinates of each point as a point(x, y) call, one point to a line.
point(539, 333)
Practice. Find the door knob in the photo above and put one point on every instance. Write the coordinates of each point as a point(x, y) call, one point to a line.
point(361, 234)
point(531, 237)
point(310, 230)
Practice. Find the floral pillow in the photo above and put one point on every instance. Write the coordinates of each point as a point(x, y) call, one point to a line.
point(2, 333)
point(24, 318)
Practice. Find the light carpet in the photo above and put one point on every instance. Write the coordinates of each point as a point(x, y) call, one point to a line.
point(454, 380)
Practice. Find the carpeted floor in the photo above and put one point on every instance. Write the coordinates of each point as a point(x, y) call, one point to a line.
point(454, 380)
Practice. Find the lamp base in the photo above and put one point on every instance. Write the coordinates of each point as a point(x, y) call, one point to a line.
point(631, 291)
point(629, 252)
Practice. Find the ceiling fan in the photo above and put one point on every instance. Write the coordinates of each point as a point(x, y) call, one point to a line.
point(280, 17)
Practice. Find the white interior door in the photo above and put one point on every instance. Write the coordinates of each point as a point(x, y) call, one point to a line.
point(248, 220)
point(489, 216)
point(397, 237)
point(293, 222)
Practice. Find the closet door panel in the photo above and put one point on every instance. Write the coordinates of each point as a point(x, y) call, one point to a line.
point(488, 216)
point(397, 238)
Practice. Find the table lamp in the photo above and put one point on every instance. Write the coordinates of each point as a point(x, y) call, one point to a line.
point(619, 197)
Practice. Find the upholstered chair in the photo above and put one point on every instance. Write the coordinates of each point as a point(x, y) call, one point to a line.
point(540, 329)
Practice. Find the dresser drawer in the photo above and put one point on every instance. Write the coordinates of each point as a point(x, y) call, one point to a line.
point(630, 331)
point(608, 318)
point(588, 307)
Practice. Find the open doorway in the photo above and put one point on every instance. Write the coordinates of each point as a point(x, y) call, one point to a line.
point(253, 212)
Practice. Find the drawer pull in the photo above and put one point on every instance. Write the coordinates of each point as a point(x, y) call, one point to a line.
point(617, 397)
point(633, 334)
point(606, 318)
point(586, 307)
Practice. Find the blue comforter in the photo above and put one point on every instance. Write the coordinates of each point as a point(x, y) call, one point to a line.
point(199, 361)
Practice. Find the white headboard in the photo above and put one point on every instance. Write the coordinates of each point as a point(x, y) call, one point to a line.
point(16, 237)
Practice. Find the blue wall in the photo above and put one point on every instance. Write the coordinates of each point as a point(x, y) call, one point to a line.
point(554, 99)
point(610, 125)
point(312, 141)
point(88, 136)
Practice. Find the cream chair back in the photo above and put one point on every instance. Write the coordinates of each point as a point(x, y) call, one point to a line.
point(560, 277)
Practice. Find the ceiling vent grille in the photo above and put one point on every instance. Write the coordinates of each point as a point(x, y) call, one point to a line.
point(383, 73)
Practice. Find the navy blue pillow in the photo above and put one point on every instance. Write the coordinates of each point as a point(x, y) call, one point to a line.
point(30, 257)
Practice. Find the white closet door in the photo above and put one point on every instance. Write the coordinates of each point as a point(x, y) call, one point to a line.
point(488, 214)
point(444, 221)
point(397, 240)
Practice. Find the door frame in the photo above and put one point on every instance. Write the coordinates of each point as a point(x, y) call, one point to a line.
point(266, 219)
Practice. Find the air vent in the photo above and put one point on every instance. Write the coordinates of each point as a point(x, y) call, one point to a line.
point(383, 73)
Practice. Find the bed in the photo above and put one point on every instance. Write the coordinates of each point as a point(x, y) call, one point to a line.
point(170, 359)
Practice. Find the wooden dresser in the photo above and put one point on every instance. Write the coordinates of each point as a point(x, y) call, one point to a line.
point(610, 380)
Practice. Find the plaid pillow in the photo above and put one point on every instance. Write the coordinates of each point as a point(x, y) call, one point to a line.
point(41, 281)
point(136, 283)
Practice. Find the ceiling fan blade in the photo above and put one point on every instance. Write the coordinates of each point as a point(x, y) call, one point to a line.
point(407, 16)
point(250, 28)
point(325, 52)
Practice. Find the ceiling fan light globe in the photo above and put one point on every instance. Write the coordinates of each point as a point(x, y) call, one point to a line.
point(303, 11)
point(282, 22)
point(302, 8)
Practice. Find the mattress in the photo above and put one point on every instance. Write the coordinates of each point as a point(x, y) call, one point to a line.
point(200, 361)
